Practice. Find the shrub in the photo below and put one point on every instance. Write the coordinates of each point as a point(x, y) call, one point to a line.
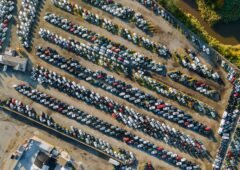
point(208, 14)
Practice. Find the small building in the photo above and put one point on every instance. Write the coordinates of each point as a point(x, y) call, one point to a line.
point(44, 161)
point(37, 154)
point(11, 59)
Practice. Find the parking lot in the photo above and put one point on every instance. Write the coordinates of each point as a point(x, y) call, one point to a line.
point(165, 34)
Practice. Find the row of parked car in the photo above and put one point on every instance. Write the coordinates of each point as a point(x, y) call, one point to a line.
point(175, 95)
point(96, 143)
point(232, 112)
point(104, 56)
point(192, 63)
point(92, 37)
point(195, 66)
point(108, 25)
point(233, 153)
point(121, 113)
point(196, 85)
point(232, 73)
point(217, 164)
point(6, 9)
point(152, 5)
point(103, 127)
point(87, 34)
point(230, 116)
point(117, 87)
point(83, 32)
point(227, 126)
point(158, 10)
point(27, 16)
point(123, 12)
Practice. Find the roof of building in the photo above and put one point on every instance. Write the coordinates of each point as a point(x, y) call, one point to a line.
point(41, 159)
point(45, 161)
point(39, 155)
point(18, 63)
point(62, 162)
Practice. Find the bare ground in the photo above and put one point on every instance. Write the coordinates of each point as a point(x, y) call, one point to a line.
point(14, 132)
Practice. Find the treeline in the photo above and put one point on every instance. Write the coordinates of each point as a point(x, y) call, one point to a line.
point(207, 12)
point(230, 11)
point(214, 11)
point(232, 53)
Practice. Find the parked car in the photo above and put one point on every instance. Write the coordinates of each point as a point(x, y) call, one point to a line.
point(102, 55)
point(122, 12)
point(99, 144)
point(6, 9)
point(176, 95)
point(194, 84)
point(102, 126)
point(121, 113)
point(92, 18)
point(27, 16)
point(192, 63)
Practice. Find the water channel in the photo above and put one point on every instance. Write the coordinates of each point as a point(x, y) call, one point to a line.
point(225, 33)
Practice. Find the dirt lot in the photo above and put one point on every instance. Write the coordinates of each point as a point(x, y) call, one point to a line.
point(14, 132)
